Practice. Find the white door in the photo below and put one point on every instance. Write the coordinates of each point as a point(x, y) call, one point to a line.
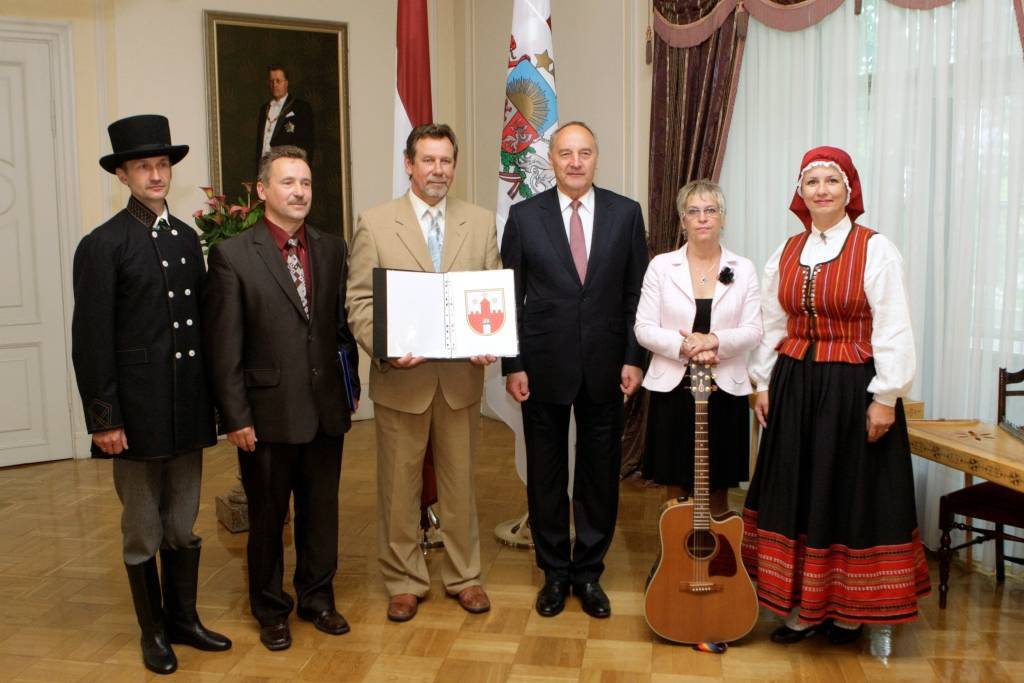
point(35, 418)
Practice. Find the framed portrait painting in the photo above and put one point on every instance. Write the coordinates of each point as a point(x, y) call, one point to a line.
point(278, 81)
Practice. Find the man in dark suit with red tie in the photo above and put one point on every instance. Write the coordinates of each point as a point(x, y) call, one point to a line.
point(579, 254)
point(276, 338)
point(284, 119)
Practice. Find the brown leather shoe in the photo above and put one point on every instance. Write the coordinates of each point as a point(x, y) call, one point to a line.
point(473, 599)
point(403, 607)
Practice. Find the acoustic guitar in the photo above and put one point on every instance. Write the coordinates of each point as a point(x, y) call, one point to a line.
point(700, 591)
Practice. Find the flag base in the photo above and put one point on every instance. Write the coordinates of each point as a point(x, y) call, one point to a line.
point(515, 532)
point(430, 525)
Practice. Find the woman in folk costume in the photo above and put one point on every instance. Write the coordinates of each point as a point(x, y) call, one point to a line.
point(830, 529)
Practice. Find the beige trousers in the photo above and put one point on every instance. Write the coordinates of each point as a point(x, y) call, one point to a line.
point(401, 446)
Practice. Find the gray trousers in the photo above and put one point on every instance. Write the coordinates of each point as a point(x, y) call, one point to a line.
point(160, 500)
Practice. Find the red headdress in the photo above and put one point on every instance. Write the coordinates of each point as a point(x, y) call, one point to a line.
point(832, 156)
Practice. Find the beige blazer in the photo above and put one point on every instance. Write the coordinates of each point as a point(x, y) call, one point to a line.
point(389, 236)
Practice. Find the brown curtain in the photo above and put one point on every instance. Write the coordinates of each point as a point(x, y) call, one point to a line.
point(691, 104)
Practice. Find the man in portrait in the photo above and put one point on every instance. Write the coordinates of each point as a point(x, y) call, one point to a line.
point(284, 119)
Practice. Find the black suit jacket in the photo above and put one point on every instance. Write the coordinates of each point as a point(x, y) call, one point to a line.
point(294, 127)
point(270, 366)
point(137, 351)
point(573, 333)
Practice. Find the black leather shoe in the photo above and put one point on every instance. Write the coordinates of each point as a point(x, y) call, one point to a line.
point(551, 598)
point(329, 621)
point(276, 636)
point(843, 636)
point(593, 598)
point(788, 636)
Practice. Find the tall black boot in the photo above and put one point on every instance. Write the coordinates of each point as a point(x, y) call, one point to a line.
point(180, 577)
point(145, 584)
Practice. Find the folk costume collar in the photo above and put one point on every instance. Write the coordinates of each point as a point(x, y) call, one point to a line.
point(142, 214)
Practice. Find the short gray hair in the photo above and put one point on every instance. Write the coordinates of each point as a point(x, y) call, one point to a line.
point(581, 124)
point(699, 187)
point(275, 153)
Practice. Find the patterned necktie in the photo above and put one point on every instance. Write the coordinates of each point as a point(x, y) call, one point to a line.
point(577, 243)
point(435, 240)
point(162, 224)
point(295, 270)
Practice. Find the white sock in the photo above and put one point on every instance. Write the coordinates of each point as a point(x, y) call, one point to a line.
point(794, 624)
point(848, 625)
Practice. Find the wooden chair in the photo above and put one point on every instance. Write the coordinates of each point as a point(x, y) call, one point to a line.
point(987, 501)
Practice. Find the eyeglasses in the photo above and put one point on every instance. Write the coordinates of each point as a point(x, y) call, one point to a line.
point(694, 212)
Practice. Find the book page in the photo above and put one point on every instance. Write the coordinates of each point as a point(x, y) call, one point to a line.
point(416, 316)
point(483, 313)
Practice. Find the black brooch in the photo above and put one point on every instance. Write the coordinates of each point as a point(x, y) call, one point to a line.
point(726, 276)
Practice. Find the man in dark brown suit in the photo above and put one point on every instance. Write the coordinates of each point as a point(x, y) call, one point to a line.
point(280, 355)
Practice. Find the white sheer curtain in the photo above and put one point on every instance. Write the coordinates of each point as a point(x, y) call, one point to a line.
point(797, 91)
point(931, 106)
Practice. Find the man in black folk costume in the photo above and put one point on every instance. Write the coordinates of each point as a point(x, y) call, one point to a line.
point(137, 351)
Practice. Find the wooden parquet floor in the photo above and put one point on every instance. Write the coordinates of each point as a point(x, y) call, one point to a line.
point(66, 615)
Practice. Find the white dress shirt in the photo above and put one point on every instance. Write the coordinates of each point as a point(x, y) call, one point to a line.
point(586, 212)
point(423, 212)
point(273, 112)
point(165, 216)
point(892, 340)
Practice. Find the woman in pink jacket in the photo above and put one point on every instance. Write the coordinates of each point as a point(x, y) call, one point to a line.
point(700, 303)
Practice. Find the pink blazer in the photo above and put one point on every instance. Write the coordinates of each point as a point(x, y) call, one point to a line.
point(667, 305)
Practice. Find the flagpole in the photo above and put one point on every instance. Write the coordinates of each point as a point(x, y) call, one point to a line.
point(530, 116)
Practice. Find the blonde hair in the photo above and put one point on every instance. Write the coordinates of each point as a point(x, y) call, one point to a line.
point(699, 187)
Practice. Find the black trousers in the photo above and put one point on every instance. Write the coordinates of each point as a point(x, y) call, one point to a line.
point(595, 501)
point(270, 475)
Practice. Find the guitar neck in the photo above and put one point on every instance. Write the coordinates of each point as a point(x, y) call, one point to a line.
point(701, 468)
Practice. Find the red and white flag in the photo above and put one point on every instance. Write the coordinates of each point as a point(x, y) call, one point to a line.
point(529, 118)
point(412, 87)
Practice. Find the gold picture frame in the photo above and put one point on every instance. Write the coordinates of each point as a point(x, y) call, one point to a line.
point(239, 50)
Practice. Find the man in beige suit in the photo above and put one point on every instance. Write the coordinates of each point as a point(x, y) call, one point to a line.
point(417, 400)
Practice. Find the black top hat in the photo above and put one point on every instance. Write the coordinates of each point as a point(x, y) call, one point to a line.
point(139, 137)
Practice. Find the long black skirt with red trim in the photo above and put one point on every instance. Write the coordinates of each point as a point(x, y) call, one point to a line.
point(830, 527)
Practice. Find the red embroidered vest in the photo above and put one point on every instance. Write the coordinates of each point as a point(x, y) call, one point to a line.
point(826, 304)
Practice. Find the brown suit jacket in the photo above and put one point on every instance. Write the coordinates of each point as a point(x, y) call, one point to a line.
point(270, 365)
point(389, 236)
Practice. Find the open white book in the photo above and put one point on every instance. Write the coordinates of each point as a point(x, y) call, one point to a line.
point(444, 315)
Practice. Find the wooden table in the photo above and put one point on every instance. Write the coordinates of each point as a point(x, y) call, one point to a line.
point(971, 446)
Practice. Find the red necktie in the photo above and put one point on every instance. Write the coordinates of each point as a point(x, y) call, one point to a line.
point(577, 244)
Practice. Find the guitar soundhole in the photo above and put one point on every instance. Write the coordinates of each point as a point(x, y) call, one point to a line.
point(701, 544)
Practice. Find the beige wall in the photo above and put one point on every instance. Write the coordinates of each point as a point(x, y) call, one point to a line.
point(148, 56)
point(123, 67)
point(600, 78)
point(94, 89)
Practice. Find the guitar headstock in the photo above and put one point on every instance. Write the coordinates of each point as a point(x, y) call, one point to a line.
point(702, 381)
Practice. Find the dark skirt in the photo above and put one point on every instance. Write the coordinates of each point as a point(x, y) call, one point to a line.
point(668, 456)
point(830, 526)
